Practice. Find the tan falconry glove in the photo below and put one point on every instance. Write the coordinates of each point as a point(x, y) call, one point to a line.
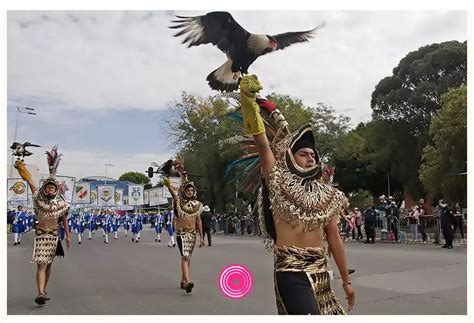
point(22, 170)
point(253, 123)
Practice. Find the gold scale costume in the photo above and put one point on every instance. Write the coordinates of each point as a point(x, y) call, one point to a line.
point(298, 197)
point(47, 245)
point(185, 207)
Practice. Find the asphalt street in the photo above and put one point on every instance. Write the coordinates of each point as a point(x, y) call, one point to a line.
point(126, 278)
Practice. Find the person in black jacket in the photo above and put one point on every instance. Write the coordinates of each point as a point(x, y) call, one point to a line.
point(206, 217)
point(447, 221)
point(369, 223)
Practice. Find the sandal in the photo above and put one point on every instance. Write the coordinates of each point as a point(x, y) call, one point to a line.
point(183, 285)
point(189, 287)
point(46, 298)
point(40, 300)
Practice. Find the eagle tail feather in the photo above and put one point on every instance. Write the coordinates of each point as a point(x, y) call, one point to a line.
point(223, 79)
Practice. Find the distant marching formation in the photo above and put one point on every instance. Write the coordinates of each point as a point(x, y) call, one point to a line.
point(105, 221)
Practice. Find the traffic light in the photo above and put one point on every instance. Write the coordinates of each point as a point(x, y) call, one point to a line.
point(150, 172)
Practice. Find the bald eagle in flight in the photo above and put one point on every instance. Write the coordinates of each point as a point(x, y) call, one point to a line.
point(241, 47)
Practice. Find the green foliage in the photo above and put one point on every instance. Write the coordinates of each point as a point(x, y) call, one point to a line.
point(135, 177)
point(413, 93)
point(404, 103)
point(361, 160)
point(446, 158)
point(361, 199)
point(198, 129)
point(327, 125)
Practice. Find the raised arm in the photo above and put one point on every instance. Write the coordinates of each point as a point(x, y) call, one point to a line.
point(25, 175)
point(253, 123)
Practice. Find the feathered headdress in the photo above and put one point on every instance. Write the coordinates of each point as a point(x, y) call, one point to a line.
point(248, 163)
point(276, 128)
point(53, 161)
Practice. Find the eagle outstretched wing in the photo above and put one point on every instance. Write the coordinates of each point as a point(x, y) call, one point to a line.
point(287, 39)
point(218, 28)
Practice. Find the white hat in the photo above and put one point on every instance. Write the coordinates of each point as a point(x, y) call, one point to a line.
point(206, 208)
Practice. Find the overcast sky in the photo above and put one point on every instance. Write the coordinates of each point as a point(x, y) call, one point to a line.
point(101, 81)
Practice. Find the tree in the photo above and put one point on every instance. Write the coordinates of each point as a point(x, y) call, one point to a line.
point(327, 125)
point(362, 161)
point(413, 93)
point(444, 162)
point(404, 103)
point(200, 125)
point(198, 128)
point(135, 177)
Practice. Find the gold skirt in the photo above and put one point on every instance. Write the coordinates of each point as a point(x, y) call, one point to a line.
point(47, 246)
point(313, 262)
point(186, 239)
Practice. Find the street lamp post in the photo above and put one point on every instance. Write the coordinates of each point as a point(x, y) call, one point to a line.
point(24, 110)
point(106, 165)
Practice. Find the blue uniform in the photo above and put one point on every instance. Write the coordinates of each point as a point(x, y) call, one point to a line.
point(108, 220)
point(137, 226)
point(170, 228)
point(126, 223)
point(19, 222)
point(107, 226)
point(159, 222)
point(101, 222)
point(62, 231)
point(70, 221)
point(92, 223)
point(115, 222)
point(169, 222)
point(81, 223)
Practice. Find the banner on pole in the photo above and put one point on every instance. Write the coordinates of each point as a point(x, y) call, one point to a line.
point(155, 196)
point(17, 190)
point(119, 197)
point(106, 195)
point(175, 183)
point(81, 193)
point(135, 195)
point(145, 197)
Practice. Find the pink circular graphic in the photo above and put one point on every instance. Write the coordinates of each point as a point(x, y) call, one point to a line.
point(235, 281)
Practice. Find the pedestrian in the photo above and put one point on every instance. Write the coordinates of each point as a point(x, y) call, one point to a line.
point(423, 218)
point(447, 220)
point(358, 223)
point(187, 221)
point(393, 219)
point(50, 208)
point(19, 224)
point(108, 222)
point(458, 220)
point(206, 216)
point(369, 224)
point(159, 222)
point(413, 218)
point(170, 228)
point(297, 211)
